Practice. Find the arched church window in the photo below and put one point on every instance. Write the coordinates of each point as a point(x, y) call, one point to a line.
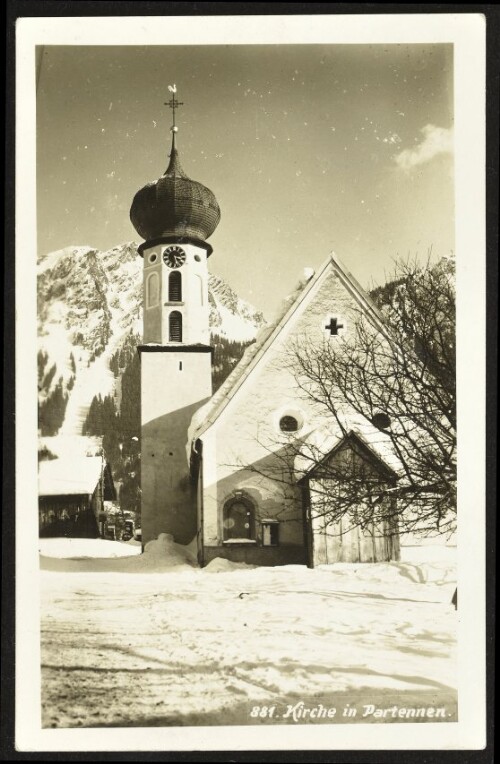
point(239, 520)
point(175, 326)
point(288, 424)
point(175, 287)
point(152, 290)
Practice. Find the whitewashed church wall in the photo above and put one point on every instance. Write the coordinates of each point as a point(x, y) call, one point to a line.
point(251, 449)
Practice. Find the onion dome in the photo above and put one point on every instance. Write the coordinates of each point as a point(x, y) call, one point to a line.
point(174, 206)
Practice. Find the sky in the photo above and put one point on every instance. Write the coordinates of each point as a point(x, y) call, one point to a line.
point(307, 148)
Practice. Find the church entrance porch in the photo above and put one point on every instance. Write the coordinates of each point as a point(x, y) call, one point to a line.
point(250, 522)
point(345, 524)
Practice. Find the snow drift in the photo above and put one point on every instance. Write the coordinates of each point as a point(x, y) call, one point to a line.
point(98, 555)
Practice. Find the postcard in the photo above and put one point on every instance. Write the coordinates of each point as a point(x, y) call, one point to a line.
point(250, 396)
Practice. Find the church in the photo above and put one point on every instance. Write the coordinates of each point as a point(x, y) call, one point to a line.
point(237, 471)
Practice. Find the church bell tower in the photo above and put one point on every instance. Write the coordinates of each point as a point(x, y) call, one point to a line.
point(174, 215)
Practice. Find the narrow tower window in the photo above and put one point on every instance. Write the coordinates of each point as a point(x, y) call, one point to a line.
point(175, 327)
point(153, 290)
point(175, 287)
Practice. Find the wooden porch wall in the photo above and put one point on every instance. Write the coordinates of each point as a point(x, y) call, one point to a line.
point(339, 541)
point(333, 544)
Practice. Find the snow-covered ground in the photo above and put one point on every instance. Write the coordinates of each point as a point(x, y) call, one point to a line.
point(64, 548)
point(149, 639)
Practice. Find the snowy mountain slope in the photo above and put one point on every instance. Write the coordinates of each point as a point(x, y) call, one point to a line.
point(230, 316)
point(89, 301)
point(95, 377)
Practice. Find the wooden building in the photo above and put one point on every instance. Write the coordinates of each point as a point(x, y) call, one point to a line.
point(71, 494)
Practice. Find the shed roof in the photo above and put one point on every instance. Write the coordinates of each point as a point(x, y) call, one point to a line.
point(325, 441)
point(78, 475)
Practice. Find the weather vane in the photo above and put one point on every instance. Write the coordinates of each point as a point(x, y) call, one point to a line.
point(174, 104)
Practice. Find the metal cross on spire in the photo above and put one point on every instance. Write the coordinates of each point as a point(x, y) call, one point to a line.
point(174, 104)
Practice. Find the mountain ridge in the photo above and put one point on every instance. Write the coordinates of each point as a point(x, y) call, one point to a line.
point(89, 303)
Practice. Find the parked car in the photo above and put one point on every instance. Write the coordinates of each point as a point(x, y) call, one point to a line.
point(126, 536)
point(128, 526)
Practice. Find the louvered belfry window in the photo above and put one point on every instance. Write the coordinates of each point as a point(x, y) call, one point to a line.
point(175, 327)
point(175, 287)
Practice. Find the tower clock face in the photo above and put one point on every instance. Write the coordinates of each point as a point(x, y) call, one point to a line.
point(174, 257)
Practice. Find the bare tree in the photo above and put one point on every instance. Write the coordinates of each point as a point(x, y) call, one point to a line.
point(385, 459)
point(398, 375)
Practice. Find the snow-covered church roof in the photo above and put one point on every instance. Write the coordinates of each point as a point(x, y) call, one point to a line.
point(209, 413)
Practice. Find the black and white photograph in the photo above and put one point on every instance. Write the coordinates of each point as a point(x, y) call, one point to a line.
point(250, 482)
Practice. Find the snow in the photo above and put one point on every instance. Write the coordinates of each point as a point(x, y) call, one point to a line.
point(64, 548)
point(71, 446)
point(96, 555)
point(69, 475)
point(51, 259)
point(235, 325)
point(220, 565)
point(228, 542)
point(97, 378)
point(429, 553)
point(151, 640)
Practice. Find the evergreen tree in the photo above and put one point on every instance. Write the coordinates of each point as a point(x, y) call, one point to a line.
point(227, 353)
point(49, 376)
point(51, 411)
point(130, 408)
point(42, 359)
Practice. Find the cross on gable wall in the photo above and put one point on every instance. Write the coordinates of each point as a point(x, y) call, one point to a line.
point(334, 326)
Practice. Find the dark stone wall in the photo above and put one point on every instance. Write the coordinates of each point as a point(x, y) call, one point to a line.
point(257, 555)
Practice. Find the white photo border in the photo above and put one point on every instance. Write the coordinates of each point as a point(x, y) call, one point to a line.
point(467, 34)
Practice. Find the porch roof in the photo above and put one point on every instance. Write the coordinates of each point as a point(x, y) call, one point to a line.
point(324, 441)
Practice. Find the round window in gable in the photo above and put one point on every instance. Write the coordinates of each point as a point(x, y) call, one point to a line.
point(381, 421)
point(153, 258)
point(288, 424)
